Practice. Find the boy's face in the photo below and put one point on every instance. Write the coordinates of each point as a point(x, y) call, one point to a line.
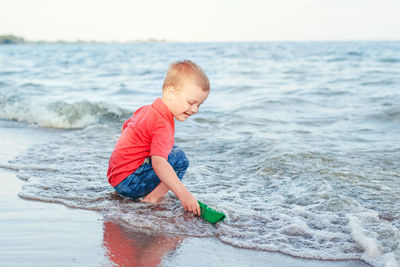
point(185, 100)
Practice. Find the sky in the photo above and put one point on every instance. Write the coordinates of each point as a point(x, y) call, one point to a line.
point(201, 20)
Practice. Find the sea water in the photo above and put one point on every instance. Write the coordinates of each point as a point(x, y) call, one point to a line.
point(298, 142)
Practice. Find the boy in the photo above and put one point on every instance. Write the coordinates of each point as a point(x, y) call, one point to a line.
point(145, 162)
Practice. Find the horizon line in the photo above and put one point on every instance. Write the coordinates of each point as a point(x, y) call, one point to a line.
point(164, 40)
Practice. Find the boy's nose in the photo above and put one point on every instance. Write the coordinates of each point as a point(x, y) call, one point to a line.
point(194, 109)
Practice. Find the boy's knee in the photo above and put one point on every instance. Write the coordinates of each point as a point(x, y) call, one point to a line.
point(184, 161)
point(181, 160)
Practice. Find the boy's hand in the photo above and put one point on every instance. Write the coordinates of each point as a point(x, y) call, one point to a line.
point(189, 203)
point(168, 176)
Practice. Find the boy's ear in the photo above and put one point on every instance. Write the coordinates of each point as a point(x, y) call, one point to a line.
point(171, 91)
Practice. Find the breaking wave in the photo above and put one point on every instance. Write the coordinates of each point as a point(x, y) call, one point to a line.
point(60, 114)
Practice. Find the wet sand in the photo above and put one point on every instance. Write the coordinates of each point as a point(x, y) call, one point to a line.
point(34, 233)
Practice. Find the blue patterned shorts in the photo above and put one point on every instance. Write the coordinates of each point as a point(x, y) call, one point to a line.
point(144, 179)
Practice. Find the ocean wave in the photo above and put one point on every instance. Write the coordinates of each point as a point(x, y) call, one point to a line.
point(388, 115)
point(60, 114)
point(2, 84)
point(354, 53)
point(389, 60)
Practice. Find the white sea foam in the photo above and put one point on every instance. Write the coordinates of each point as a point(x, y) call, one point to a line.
point(58, 114)
point(365, 239)
point(367, 230)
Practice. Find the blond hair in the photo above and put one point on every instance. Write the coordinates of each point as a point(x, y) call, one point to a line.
point(180, 71)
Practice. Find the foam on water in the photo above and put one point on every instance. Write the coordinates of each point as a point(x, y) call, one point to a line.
point(59, 114)
point(367, 229)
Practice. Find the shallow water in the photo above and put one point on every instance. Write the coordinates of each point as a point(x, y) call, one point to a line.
point(297, 143)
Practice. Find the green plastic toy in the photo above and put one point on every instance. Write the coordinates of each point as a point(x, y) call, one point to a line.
point(209, 214)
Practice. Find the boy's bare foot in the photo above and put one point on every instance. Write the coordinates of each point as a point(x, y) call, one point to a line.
point(150, 200)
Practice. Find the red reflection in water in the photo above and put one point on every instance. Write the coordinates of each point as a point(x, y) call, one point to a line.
point(128, 248)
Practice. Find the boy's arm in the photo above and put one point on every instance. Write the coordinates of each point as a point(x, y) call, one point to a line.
point(125, 124)
point(168, 176)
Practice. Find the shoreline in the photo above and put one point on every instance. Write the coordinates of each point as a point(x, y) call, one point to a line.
point(48, 234)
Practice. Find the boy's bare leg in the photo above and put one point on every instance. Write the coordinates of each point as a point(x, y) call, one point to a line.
point(155, 195)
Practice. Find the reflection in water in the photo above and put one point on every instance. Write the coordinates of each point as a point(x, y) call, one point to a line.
point(128, 248)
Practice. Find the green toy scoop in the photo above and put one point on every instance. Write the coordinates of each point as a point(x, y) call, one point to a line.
point(209, 214)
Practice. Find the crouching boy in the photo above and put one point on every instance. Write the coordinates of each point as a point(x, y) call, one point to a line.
point(145, 162)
